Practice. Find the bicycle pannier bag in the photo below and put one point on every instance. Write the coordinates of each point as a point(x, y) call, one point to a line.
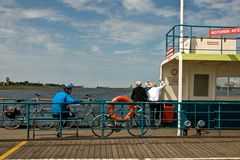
point(11, 111)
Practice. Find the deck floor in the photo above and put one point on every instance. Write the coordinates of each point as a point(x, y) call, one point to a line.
point(219, 148)
point(158, 143)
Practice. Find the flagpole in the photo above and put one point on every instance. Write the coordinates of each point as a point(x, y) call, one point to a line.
point(180, 67)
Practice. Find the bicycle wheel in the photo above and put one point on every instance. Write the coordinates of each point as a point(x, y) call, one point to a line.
point(138, 125)
point(68, 124)
point(44, 124)
point(88, 119)
point(12, 122)
point(102, 126)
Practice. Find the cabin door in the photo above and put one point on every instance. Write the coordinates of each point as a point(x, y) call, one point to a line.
point(202, 82)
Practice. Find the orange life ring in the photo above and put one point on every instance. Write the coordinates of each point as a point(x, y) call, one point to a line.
point(117, 117)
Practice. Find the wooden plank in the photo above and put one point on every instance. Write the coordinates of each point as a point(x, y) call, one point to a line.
point(230, 148)
point(44, 145)
point(45, 150)
point(114, 149)
point(175, 152)
point(80, 149)
point(125, 148)
point(103, 149)
point(51, 150)
point(148, 151)
point(96, 149)
point(86, 149)
point(75, 146)
point(66, 150)
point(140, 148)
point(161, 150)
point(150, 145)
point(22, 152)
point(5, 146)
point(192, 148)
point(136, 149)
point(120, 148)
point(108, 148)
point(37, 149)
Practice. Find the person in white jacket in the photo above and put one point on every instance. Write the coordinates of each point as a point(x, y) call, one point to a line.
point(154, 95)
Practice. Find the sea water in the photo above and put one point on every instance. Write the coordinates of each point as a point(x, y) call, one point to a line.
point(78, 93)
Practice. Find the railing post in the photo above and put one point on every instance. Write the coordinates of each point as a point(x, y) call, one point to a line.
point(60, 125)
point(142, 119)
point(209, 116)
point(102, 112)
point(219, 119)
point(181, 120)
point(28, 119)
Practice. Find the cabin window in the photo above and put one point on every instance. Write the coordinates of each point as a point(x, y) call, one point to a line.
point(228, 86)
point(221, 86)
point(201, 85)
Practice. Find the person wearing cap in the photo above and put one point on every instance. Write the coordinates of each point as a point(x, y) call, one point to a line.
point(139, 93)
point(63, 97)
point(154, 96)
point(148, 85)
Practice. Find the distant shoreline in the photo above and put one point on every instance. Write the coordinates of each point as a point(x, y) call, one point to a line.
point(43, 87)
point(24, 87)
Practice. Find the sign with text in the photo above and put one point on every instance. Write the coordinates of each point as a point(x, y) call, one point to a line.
point(224, 31)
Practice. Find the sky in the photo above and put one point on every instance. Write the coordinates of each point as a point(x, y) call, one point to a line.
point(109, 43)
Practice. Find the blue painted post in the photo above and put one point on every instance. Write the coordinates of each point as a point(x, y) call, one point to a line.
point(103, 124)
point(60, 125)
point(27, 109)
point(181, 120)
point(219, 119)
point(209, 116)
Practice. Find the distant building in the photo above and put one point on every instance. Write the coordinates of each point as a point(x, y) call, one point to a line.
point(7, 81)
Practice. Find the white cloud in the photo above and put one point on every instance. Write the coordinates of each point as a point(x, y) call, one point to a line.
point(95, 50)
point(146, 6)
point(3, 49)
point(86, 5)
point(229, 6)
point(138, 5)
point(13, 13)
point(41, 13)
point(129, 32)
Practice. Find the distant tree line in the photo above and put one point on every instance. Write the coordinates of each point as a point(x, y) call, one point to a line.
point(26, 83)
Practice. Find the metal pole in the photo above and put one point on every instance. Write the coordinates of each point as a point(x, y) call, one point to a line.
point(180, 67)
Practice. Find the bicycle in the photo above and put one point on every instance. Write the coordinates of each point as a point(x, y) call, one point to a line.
point(104, 125)
point(86, 114)
point(14, 116)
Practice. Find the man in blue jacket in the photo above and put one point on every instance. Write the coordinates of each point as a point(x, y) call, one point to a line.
point(63, 97)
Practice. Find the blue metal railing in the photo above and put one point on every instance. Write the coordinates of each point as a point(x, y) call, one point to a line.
point(197, 32)
point(217, 115)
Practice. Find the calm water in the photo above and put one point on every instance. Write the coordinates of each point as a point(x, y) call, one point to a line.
point(96, 93)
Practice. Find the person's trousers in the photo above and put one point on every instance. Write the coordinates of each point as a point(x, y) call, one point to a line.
point(154, 113)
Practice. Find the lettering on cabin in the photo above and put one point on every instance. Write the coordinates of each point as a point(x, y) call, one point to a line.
point(212, 43)
point(224, 31)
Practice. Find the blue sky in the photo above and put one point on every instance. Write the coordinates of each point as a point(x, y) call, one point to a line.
point(96, 42)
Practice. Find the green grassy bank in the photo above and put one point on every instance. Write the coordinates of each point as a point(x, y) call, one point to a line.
point(23, 87)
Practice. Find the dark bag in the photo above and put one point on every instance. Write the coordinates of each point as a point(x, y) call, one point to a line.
point(12, 111)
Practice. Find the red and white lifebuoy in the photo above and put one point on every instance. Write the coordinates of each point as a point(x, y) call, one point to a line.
point(117, 117)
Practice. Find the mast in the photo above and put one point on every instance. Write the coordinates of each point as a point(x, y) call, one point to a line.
point(180, 67)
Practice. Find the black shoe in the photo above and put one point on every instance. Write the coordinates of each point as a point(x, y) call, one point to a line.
point(58, 134)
